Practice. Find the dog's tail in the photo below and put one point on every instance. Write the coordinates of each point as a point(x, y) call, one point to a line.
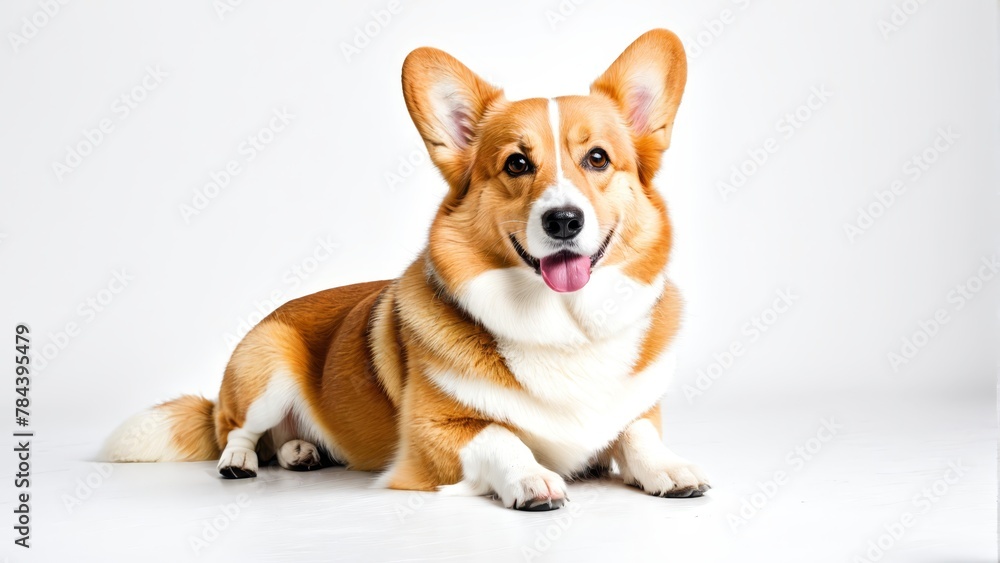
point(178, 430)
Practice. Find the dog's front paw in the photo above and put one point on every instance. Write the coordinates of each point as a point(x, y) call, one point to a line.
point(537, 490)
point(676, 479)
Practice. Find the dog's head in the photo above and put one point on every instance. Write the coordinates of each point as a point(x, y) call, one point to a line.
point(558, 188)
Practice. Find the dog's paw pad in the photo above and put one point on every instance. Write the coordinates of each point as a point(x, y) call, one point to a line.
point(236, 473)
point(541, 505)
point(685, 492)
point(238, 463)
point(299, 455)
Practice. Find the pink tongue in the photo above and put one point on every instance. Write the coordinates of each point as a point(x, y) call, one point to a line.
point(565, 272)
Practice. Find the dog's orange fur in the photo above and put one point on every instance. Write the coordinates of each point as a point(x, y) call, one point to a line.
point(360, 354)
point(193, 430)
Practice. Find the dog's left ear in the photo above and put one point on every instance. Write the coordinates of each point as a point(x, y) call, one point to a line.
point(647, 81)
point(446, 101)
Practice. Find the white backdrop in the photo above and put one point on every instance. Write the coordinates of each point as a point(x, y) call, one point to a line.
point(867, 135)
point(196, 85)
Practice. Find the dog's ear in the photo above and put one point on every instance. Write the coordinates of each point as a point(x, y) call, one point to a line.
point(647, 81)
point(446, 101)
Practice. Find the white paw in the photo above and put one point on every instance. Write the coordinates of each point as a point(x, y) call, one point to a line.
point(678, 478)
point(298, 455)
point(238, 463)
point(539, 489)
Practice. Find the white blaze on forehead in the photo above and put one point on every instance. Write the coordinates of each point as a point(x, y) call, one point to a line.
point(561, 193)
point(556, 139)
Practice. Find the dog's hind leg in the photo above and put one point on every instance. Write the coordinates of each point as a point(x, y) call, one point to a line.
point(258, 392)
point(239, 458)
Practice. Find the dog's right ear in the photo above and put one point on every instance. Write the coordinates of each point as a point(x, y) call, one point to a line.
point(446, 101)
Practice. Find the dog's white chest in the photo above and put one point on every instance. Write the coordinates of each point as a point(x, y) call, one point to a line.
point(573, 402)
point(573, 355)
point(577, 401)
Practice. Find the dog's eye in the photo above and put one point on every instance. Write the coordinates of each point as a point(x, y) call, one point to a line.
point(517, 164)
point(597, 159)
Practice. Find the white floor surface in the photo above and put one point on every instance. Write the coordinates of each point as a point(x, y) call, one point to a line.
point(879, 474)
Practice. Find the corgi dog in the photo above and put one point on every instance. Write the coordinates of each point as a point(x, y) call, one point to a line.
point(528, 344)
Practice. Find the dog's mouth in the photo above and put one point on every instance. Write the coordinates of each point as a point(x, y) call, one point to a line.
point(564, 271)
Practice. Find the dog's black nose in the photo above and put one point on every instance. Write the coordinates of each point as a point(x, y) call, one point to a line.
point(563, 223)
